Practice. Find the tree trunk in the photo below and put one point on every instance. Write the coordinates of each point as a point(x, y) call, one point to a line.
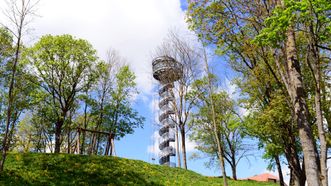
point(233, 163)
point(97, 144)
point(222, 165)
point(106, 149)
point(107, 146)
point(177, 148)
point(322, 138)
point(234, 171)
point(58, 131)
point(215, 131)
point(319, 115)
point(326, 106)
point(182, 135)
point(82, 149)
point(68, 141)
point(297, 94)
point(39, 141)
point(78, 141)
point(91, 146)
point(291, 154)
point(113, 152)
point(11, 131)
point(298, 175)
point(291, 178)
point(11, 96)
point(280, 172)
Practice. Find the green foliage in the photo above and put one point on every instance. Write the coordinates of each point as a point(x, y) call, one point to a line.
point(6, 54)
point(24, 134)
point(65, 169)
point(107, 104)
point(276, 27)
point(245, 35)
point(62, 65)
point(228, 124)
point(301, 13)
point(6, 42)
point(24, 90)
point(119, 117)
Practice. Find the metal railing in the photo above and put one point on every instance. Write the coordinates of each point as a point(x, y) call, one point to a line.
point(166, 70)
point(165, 139)
point(166, 135)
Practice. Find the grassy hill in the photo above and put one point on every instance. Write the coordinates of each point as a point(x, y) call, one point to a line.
point(66, 169)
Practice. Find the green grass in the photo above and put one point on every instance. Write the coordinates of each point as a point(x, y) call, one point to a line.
point(66, 169)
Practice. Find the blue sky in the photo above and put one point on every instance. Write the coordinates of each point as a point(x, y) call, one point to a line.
point(134, 29)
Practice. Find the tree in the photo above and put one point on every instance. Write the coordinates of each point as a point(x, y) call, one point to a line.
point(120, 117)
point(18, 14)
point(42, 120)
point(317, 23)
point(229, 130)
point(63, 67)
point(235, 148)
point(108, 112)
point(310, 16)
point(273, 126)
point(232, 26)
point(269, 119)
point(106, 83)
point(89, 102)
point(206, 101)
point(24, 135)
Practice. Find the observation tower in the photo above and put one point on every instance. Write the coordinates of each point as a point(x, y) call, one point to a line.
point(166, 70)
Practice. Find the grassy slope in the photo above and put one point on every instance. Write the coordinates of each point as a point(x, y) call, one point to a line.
point(64, 169)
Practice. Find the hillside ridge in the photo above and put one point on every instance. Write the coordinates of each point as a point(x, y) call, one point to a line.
point(70, 169)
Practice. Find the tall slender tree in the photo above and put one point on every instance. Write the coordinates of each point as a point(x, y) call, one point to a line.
point(120, 117)
point(204, 91)
point(18, 13)
point(228, 128)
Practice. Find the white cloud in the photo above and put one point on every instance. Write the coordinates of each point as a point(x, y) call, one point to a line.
point(134, 28)
point(154, 148)
point(190, 145)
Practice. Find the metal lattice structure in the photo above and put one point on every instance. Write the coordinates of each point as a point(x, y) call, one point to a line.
point(166, 70)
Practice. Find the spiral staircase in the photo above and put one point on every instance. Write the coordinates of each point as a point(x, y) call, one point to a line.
point(166, 131)
point(166, 70)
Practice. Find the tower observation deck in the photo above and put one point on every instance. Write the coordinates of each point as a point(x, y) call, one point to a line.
point(166, 70)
